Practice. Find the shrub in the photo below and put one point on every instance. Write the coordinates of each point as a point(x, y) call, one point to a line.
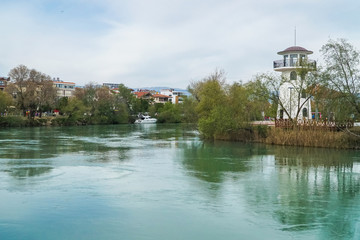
point(12, 121)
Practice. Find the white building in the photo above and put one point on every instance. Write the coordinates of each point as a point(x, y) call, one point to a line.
point(64, 89)
point(175, 96)
point(295, 102)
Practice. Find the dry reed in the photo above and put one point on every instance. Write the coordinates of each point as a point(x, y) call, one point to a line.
point(311, 138)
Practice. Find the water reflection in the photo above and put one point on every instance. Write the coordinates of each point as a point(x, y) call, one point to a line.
point(29, 171)
point(40, 143)
point(29, 152)
point(211, 161)
point(304, 189)
point(312, 189)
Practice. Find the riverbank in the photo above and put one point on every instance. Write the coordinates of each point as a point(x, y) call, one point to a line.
point(346, 139)
point(20, 121)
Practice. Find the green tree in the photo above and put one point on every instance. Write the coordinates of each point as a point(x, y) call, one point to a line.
point(76, 111)
point(5, 101)
point(61, 103)
point(170, 113)
point(139, 105)
point(222, 109)
point(188, 109)
point(225, 111)
point(258, 97)
point(125, 96)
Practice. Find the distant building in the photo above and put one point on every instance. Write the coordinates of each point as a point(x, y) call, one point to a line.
point(143, 95)
point(64, 89)
point(160, 98)
point(3, 83)
point(111, 85)
point(174, 96)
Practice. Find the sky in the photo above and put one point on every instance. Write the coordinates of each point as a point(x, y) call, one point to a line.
point(165, 42)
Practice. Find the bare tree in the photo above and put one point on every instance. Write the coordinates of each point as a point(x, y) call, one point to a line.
point(342, 72)
point(303, 88)
point(32, 89)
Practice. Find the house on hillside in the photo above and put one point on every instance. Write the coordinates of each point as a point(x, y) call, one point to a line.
point(160, 98)
point(111, 85)
point(143, 95)
point(294, 101)
point(3, 83)
point(174, 96)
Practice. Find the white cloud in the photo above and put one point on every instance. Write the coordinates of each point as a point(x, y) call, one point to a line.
point(148, 43)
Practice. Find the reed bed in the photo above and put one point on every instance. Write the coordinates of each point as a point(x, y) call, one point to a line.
point(313, 138)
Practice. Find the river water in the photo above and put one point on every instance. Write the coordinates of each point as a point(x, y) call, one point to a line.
point(163, 182)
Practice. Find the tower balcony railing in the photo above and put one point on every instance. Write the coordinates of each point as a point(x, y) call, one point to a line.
point(294, 63)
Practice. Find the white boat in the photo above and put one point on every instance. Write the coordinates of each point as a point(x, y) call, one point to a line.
point(146, 119)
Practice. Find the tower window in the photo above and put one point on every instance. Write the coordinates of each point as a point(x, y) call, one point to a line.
point(293, 75)
point(281, 114)
point(302, 59)
point(293, 59)
point(303, 94)
point(305, 112)
point(286, 60)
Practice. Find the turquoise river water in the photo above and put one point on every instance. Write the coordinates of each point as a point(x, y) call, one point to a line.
point(164, 182)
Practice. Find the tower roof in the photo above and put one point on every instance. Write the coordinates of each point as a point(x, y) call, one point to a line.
point(295, 49)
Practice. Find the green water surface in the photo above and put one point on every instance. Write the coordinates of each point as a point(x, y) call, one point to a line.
point(163, 182)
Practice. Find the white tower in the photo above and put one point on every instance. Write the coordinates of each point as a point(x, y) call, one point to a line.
point(295, 102)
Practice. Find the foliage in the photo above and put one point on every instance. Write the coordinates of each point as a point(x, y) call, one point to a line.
point(76, 112)
point(33, 90)
point(139, 105)
point(61, 103)
point(5, 101)
point(269, 85)
point(342, 72)
point(225, 111)
point(170, 113)
point(12, 121)
point(188, 109)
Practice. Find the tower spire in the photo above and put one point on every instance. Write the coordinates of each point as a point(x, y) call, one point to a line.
point(295, 36)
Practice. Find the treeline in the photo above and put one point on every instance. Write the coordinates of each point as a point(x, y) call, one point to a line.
point(88, 106)
point(94, 105)
point(31, 100)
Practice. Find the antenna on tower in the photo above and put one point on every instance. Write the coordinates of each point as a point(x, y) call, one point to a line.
point(295, 36)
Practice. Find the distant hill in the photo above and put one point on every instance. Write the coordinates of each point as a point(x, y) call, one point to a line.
point(158, 89)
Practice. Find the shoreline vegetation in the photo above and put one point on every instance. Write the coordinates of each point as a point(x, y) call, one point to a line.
point(221, 111)
point(342, 139)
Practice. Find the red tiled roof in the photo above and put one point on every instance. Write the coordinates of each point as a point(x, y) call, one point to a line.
point(64, 82)
point(141, 94)
point(160, 96)
point(4, 79)
point(295, 49)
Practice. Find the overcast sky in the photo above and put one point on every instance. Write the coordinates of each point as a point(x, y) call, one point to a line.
point(165, 42)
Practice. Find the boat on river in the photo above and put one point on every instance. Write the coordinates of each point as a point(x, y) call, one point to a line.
point(146, 120)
